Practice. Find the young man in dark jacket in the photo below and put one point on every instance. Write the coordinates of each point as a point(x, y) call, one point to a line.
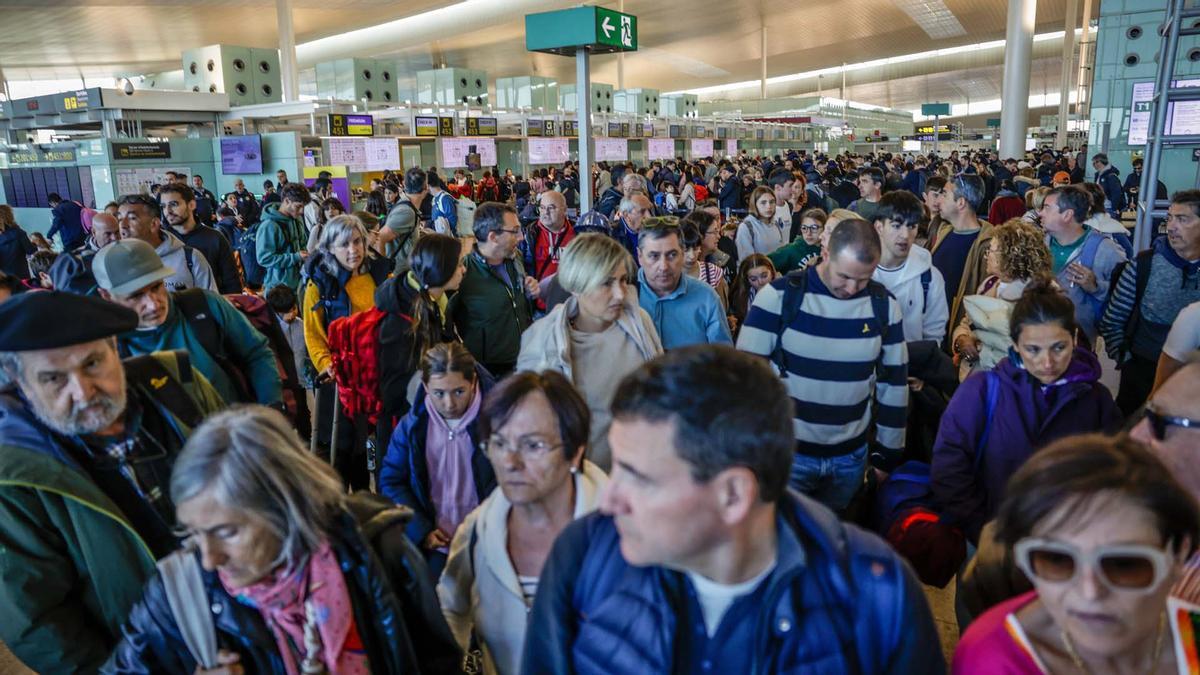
point(700, 560)
point(179, 208)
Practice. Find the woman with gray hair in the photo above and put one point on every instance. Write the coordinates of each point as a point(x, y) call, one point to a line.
point(339, 282)
point(598, 336)
point(281, 572)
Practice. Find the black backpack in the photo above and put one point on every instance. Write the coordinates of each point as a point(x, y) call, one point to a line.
point(1144, 260)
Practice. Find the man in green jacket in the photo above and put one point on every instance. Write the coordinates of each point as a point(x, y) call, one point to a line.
point(280, 245)
point(86, 449)
point(493, 304)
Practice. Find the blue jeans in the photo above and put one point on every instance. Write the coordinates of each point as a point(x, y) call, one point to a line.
point(833, 481)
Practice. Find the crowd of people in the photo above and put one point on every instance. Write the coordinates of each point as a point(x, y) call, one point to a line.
point(729, 420)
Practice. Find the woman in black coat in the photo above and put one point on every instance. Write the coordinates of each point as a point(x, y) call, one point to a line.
point(289, 573)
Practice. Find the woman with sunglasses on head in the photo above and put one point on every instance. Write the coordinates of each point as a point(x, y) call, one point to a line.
point(1102, 529)
point(536, 428)
point(1046, 388)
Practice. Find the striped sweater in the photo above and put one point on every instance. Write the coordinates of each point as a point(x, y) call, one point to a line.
point(832, 352)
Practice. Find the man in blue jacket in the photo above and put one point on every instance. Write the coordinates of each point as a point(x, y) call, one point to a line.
point(1109, 179)
point(701, 561)
point(66, 222)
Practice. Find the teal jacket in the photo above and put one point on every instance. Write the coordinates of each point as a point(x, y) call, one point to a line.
point(71, 563)
point(277, 248)
point(489, 314)
point(246, 348)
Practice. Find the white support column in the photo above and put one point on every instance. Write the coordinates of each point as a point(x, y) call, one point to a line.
point(1068, 67)
point(583, 104)
point(287, 51)
point(1083, 80)
point(763, 79)
point(620, 55)
point(1014, 95)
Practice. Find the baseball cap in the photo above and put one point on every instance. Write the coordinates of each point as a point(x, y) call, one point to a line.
point(127, 266)
point(1061, 177)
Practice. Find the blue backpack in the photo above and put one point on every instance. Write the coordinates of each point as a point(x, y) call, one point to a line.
point(247, 250)
point(908, 486)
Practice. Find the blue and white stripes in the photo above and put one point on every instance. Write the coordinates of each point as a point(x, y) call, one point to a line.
point(836, 359)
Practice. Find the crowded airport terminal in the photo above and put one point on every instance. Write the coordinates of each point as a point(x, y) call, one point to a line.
point(528, 337)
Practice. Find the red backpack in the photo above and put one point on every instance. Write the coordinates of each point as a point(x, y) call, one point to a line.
point(354, 348)
point(701, 192)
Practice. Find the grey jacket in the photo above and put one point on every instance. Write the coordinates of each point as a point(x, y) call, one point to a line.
point(1089, 306)
point(191, 269)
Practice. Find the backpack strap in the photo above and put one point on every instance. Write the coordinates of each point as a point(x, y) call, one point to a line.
point(794, 288)
point(193, 305)
point(1144, 263)
point(168, 390)
point(188, 256)
point(1087, 257)
point(926, 280)
point(416, 225)
point(993, 395)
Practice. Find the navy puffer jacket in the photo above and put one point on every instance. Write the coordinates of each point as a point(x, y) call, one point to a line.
point(839, 601)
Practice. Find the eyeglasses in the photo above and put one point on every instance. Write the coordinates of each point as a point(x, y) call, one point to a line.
point(530, 449)
point(1160, 422)
point(810, 228)
point(509, 231)
point(1136, 569)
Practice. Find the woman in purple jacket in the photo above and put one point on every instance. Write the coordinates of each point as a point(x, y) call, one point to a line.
point(1046, 389)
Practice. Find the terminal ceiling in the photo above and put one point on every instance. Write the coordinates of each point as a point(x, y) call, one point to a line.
point(684, 44)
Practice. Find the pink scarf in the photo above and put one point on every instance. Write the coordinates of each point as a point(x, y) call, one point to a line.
point(282, 602)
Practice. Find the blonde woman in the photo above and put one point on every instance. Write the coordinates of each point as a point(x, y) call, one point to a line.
point(599, 335)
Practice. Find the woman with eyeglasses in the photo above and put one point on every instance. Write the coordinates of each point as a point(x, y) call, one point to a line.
point(1101, 528)
point(1046, 388)
point(693, 254)
point(286, 571)
point(1015, 256)
point(599, 335)
point(433, 463)
point(536, 426)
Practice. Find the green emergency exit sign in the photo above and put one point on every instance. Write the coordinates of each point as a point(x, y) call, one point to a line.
point(564, 32)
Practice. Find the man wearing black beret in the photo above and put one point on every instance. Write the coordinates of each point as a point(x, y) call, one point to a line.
point(87, 443)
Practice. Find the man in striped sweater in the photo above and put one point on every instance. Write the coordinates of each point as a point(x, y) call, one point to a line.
point(1137, 320)
point(838, 339)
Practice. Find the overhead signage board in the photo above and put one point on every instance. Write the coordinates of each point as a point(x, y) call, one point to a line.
point(351, 125)
point(425, 126)
point(445, 126)
point(1183, 117)
point(700, 147)
point(570, 128)
point(933, 109)
point(78, 100)
point(699, 132)
point(533, 128)
point(563, 32)
point(614, 129)
point(624, 129)
point(35, 154)
point(928, 129)
point(482, 126)
point(993, 122)
point(143, 150)
point(647, 130)
point(548, 127)
point(675, 131)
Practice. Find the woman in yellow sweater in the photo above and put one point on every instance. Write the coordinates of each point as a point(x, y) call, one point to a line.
point(340, 281)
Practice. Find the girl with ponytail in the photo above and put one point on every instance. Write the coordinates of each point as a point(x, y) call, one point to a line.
point(415, 303)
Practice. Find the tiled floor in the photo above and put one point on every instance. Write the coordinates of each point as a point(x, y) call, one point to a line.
point(941, 601)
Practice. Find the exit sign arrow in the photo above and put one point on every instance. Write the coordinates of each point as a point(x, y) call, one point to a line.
point(607, 27)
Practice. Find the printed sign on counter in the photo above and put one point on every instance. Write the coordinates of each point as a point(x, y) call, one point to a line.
point(549, 150)
point(612, 149)
point(701, 147)
point(660, 148)
point(455, 151)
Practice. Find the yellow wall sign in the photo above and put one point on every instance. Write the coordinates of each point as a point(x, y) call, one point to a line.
point(351, 125)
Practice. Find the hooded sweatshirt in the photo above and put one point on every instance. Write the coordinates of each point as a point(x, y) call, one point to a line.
point(1028, 416)
point(755, 236)
point(922, 301)
point(278, 246)
point(1088, 306)
point(191, 268)
point(14, 247)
